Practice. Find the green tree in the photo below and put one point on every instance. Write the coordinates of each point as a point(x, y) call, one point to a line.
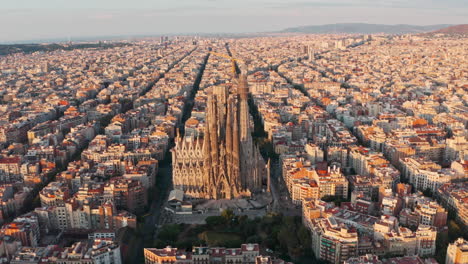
point(213, 221)
point(289, 242)
point(454, 230)
point(304, 237)
point(254, 239)
point(228, 215)
point(248, 228)
point(427, 192)
point(335, 199)
point(169, 233)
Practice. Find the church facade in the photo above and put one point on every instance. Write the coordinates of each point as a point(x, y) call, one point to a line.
point(225, 163)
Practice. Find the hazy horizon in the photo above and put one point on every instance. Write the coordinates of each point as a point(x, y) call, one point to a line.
point(54, 19)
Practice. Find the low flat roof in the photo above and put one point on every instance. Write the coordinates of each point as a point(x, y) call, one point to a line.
point(176, 195)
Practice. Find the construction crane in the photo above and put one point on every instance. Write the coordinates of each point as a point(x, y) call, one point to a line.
point(233, 62)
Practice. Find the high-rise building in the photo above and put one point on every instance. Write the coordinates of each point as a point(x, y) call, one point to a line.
point(225, 163)
point(310, 53)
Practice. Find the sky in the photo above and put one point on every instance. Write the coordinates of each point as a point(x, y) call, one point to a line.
point(22, 20)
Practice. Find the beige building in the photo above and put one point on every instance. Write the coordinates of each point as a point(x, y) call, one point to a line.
point(54, 194)
point(425, 174)
point(456, 149)
point(333, 242)
point(457, 252)
point(454, 196)
point(402, 241)
point(246, 254)
point(331, 181)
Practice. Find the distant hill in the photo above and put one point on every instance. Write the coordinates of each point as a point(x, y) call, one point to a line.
point(362, 28)
point(457, 29)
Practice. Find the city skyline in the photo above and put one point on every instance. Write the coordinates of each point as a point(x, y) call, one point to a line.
point(247, 132)
point(51, 19)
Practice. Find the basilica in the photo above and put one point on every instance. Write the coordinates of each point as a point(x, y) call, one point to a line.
point(224, 163)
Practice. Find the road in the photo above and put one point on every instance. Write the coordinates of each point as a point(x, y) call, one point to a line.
point(281, 198)
point(163, 188)
point(273, 186)
point(148, 228)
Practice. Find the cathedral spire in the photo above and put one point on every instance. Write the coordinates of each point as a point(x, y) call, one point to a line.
point(230, 165)
point(244, 117)
point(197, 139)
point(243, 87)
point(229, 121)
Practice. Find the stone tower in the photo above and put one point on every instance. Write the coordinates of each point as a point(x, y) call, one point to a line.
point(225, 164)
